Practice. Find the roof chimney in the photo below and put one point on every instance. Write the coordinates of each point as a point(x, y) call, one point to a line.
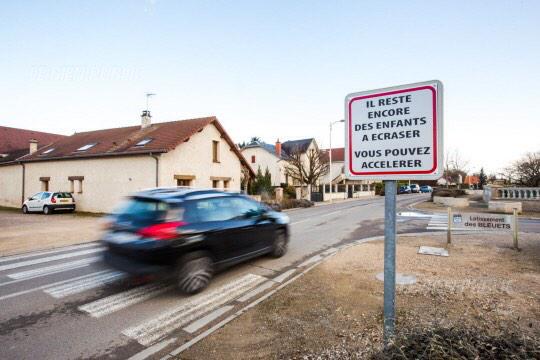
point(146, 119)
point(33, 145)
point(278, 149)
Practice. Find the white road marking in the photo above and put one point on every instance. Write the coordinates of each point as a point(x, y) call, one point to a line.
point(124, 299)
point(54, 268)
point(259, 289)
point(283, 276)
point(51, 285)
point(152, 350)
point(310, 260)
point(49, 259)
point(196, 325)
point(195, 307)
point(329, 251)
point(81, 285)
point(47, 252)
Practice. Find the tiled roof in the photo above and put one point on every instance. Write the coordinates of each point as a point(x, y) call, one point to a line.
point(15, 142)
point(268, 147)
point(338, 154)
point(163, 137)
point(296, 145)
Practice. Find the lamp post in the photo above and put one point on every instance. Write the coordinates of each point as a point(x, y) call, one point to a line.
point(330, 156)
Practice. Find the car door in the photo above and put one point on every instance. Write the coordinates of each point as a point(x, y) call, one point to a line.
point(43, 200)
point(257, 228)
point(33, 202)
point(212, 218)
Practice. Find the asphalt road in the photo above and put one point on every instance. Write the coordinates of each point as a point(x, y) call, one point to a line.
point(66, 304)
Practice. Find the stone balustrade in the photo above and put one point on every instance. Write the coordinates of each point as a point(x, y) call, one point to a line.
point(523, 193)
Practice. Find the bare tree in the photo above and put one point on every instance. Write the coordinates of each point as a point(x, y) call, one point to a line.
point(454, 166)
point(525, 171)
point(306, 168)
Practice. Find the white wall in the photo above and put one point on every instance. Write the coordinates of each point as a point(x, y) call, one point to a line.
point(194, 157)
point(10, 185)
point(106, 180)
point(264, 159)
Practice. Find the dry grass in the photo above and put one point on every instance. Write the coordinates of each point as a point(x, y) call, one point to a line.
point(485, 295)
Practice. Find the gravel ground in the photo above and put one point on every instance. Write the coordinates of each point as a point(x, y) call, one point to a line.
point(23, 233)
point(335, 311)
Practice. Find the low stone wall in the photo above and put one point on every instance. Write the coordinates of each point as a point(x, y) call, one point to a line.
point(450, 201)
point(505, 206)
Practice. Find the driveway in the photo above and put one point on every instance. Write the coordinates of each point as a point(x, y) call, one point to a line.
point(23, 233)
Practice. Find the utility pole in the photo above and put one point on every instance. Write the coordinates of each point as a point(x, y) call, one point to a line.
point(330, 156)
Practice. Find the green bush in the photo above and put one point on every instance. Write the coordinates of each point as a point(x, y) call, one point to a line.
point(455, 193)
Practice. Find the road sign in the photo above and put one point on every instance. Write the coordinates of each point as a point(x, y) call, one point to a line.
point(482, 222)
point(395, 133)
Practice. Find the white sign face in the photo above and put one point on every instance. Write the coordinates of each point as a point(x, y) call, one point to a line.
point(482, 222)
point(395, 133)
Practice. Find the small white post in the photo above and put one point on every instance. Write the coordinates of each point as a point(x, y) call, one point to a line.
point(515, 224)
point(449, 229)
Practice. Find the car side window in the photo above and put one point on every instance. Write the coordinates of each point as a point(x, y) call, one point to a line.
point(245, 208)
point(36, 196)
point(214, 209)
point(45, 195)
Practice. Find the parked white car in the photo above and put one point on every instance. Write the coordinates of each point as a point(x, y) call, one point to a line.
point(47, 202)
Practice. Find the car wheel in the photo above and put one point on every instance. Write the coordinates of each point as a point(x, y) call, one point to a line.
point(280, 245)
point(194, 273)
point(25, 209)
point(47, 210)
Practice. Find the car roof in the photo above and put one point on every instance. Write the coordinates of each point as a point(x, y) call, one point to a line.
point(178, 194)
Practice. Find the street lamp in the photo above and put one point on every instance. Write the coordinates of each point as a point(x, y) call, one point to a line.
point(330, 155)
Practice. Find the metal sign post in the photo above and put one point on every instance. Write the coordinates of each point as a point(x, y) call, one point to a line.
point(390, 191)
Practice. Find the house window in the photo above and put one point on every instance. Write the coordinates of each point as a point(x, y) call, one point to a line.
point(86, 147)
point(215, 151)
point(76, 184)
point(215, 184)
point(253, 159)
point(226, 184)
point(44, 183)
point(143, 142)
point(183, 182)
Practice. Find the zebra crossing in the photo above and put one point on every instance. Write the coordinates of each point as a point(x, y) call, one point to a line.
point(76, 270)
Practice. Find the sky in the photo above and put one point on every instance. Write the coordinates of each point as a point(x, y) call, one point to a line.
point(273, 69)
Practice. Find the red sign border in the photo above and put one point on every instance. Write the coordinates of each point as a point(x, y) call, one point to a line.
point(434, 102)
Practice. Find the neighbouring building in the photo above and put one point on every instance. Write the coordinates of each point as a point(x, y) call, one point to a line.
point(103, 166)
point(15, 143)
point(261, 155)
point(342, 187)
point(274, 157)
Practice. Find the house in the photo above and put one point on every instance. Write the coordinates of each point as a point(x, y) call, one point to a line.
point(341, 186)
point(472, 181)
point(276, 158)
point(261, 155)
point(15, 143)
point(103, 166)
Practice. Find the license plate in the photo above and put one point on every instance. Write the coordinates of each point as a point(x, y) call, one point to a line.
point(64, 200)
point(122, 237)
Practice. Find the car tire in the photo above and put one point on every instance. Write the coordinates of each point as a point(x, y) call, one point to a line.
point(279, 247)
point(47, 210)
point(194, 272)
point(25, 209)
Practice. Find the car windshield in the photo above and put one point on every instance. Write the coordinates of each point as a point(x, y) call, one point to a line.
point(62, 195)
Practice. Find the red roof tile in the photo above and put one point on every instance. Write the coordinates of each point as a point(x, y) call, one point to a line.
point(122, 141)
point(15, 142)
point(338, 154)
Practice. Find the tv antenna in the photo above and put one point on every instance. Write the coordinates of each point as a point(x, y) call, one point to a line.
point(148, 98)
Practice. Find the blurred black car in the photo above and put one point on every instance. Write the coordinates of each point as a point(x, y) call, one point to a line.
point(190, 234)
